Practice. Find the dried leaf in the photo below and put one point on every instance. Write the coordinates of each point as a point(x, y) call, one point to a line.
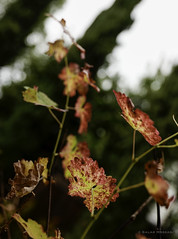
point(27, 176)
point(76, 80)
point(57, 49)
point(90, 182)
point(63, 22)
point(33, 229)
point(83, 111)
point(73, 149)
point(44, 162)
point(138, 119)
point(156, 185)
point(86, 77)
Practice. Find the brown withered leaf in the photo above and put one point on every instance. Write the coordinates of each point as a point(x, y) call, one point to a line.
point(156, 185)
point(57, 49)
point(27, 176)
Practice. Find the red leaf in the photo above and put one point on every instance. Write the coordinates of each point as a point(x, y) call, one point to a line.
point(156, 185)
point(90, 182)
point(83, 111)
point(70, 76)
point(73, 149)
point(138, 119)
point(76, 80)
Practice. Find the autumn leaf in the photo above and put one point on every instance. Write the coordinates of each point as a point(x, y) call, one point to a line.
point(33, 229)
point(83, 111)
point(86, 77)
point(138, 119)
point(73, 149)
point(76, 80)
point(57, 49)
point(141, 236)
point(70, 76)
point(90, 182)
point(32, 95)
point(27, 177)
point(156, 186)
point(44, 163)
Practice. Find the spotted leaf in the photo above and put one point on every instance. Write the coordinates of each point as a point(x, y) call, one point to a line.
point(90, 182)
point(138, 119)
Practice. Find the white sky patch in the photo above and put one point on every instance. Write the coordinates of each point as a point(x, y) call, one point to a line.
point(151, 42)
point(79, 14)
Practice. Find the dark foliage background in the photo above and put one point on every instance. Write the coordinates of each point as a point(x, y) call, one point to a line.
point(28, 132)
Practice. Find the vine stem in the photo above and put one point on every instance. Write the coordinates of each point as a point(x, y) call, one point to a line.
point(52, 162)
point(59, 134)
point(133, 148)
point(54, 116)
point(95, 218)
point(61, 125)
point(132, 187)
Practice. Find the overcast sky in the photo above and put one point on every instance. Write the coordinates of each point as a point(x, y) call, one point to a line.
point(150, 43)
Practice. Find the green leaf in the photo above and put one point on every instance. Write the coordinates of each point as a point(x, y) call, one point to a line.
point(33, 229)
point(32, 95)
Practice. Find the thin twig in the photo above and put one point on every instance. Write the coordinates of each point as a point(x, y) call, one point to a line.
point(131, 218)
point(62, 23)
point(54, 116)
point(49, 203)
point(175, 120)
point(132, 187)
point(54, 155)
point(133, 148)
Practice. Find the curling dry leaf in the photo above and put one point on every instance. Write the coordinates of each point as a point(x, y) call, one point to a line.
point(138, 119)
point(32, 95)
point(34, 229)
point(83, 111)
point(90, 182)
point(86, 77)
point(73, 149)
point(57, 49)
point(44, 162)
point(27, 176)
point(156, 185)
point(76, 80)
